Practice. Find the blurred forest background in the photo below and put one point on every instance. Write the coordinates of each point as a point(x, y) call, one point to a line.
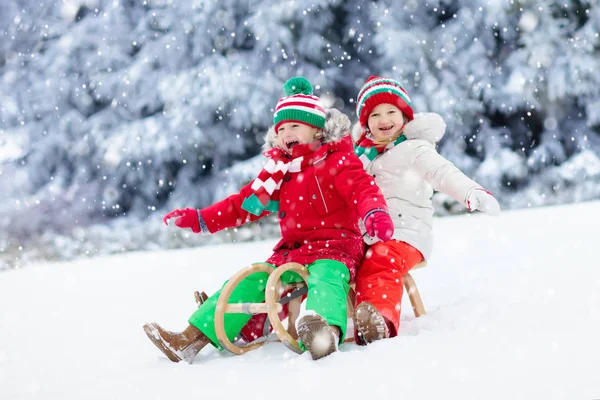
point(113, 112)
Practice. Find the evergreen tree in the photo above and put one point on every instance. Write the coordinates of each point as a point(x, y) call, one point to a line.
point(516, 81)
point(125, 107)
point(121, 108)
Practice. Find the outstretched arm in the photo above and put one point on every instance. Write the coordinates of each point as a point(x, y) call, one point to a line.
point(227, 213)
point(442, 174)
point(445, 177)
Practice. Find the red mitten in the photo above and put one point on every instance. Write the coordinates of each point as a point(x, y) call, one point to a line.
point(187, 218)
point(378, 223)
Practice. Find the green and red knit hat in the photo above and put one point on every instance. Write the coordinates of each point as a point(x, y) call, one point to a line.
point(299, 105)
point(378, 90)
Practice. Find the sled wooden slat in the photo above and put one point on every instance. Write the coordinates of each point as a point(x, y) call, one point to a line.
point(222, 307)
point(422, 264)
point(293, 313)
point(351, 300)
point(413, 292)
point(249, 308)
point(272, 296)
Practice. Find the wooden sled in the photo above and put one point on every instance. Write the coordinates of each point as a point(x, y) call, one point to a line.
point(274, 304)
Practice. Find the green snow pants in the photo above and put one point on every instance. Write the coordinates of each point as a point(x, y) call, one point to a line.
point(327, 291)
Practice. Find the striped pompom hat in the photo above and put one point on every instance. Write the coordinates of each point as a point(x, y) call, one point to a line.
point(378, 90)
point(299, 105)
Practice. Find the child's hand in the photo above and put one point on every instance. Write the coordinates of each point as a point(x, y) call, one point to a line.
point(378, 223)
point(188, 218)
point(481, 199)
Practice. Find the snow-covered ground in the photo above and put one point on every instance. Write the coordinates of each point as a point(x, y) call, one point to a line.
point(513, 312)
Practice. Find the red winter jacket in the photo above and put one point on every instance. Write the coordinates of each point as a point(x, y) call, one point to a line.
point(319, 208)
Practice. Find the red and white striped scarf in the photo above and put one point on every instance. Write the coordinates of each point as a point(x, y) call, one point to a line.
point(265, 187)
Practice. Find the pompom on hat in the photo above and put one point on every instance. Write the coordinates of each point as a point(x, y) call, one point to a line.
point(299, 105)
point(378, 90)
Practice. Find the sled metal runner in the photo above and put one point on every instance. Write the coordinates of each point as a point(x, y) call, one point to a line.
point(276, 296)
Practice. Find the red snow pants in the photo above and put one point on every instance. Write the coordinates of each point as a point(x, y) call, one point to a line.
point(379, 278)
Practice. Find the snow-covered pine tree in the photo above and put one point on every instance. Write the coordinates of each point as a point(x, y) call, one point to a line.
point(516, 81)
point(124, 107)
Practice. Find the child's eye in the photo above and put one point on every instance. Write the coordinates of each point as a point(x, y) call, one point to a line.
point(295, 125)
point(391, 111)
point(375, 115)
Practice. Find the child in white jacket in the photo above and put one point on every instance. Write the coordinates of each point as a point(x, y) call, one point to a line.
point(398, 150)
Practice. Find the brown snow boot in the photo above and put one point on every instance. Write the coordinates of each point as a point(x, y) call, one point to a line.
point(370, 324)
point(177, 346)
point(319, 338)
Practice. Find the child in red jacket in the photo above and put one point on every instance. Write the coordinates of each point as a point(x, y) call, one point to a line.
point(319, 189)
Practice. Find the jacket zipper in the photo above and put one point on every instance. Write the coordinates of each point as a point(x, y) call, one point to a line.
point(322, 197)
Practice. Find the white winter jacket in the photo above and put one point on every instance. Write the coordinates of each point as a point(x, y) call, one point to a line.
point(407, 175)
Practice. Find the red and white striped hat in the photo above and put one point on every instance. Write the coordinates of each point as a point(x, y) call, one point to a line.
point(299, 105)
point(378, 90)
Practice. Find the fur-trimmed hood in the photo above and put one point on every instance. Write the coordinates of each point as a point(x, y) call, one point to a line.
point(425, 126)
point(337, 125)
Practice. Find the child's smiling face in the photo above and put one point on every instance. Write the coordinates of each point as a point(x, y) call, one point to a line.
point(385, 121)
point(293, 133)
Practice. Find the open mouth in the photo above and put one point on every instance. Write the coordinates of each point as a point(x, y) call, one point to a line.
point(289, 145)
point(386, 128)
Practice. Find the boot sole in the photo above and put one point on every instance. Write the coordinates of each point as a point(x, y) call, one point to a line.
point(370, 324)
point(317, 337)
point(155, 338)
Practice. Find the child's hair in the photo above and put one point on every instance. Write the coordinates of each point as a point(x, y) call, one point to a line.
point(387, 140)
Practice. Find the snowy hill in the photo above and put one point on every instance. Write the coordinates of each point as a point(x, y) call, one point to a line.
point(513, 312)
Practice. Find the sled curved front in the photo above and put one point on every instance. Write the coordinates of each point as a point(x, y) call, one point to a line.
point(273, 304)
point(224, 307)
point(272, 296)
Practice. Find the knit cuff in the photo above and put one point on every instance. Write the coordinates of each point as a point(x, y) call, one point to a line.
point(374, 211)
point(203, 228)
